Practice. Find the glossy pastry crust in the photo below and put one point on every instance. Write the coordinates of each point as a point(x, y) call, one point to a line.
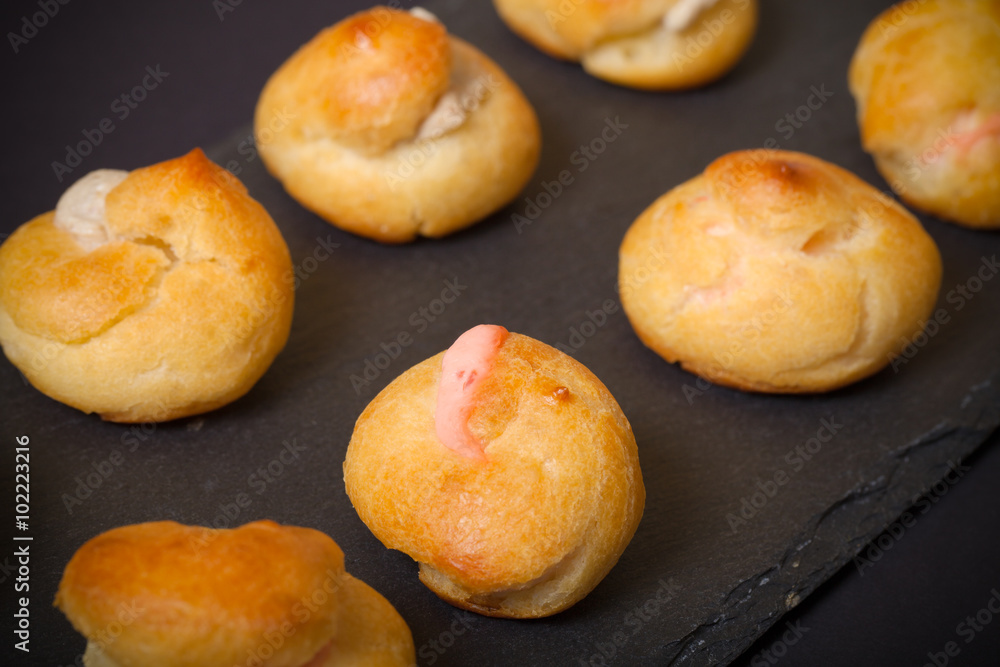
point(172, 304)
point(775, 271)
point(926, 79)
point(531, 529)
point(388, 127)
point(178, 595)
point(647, 44)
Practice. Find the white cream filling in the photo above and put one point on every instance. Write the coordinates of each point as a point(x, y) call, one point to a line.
point(682, 15)
point(465, 94)
point(448, 114)
point(424, 14)
point(80, 210)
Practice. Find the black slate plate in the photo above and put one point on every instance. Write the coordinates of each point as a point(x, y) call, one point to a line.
point(700, 581)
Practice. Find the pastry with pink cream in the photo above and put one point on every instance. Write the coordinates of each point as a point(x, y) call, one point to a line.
point(505, 468)
point(926, 78)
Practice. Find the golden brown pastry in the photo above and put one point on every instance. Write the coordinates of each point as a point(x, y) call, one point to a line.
point(505, 468)
point(162, 594)
point(648, 44)
point(149, 295)
point(775, 271)
point(388, 127)
point(926, 78)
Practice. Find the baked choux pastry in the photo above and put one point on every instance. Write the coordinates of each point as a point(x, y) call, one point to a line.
point(647, 44)
point(505, 469)
point(775, 271)
point(147, 295)
point(162, 594)
point(388, 127)
point(926, 78)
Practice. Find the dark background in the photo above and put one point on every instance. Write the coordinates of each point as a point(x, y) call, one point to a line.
point(63, 81)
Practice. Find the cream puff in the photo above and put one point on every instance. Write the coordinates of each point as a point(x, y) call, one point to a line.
point(505, 469)
point(147, 295)
point(388, 127)
point(647, 44)
point(775, 271)
point(926, 79)
point(163, 594)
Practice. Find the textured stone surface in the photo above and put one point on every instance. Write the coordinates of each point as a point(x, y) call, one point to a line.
point(703, 449)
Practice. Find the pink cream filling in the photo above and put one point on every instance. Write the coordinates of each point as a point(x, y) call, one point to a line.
point(987, 129)
point(967, 131)
point(466, 365)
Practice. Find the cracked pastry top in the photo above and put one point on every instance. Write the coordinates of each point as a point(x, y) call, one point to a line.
point(926, 79)
point(388, 127)
point(147, 295)
point(647, 44)
point(505, 468)
point(262, 593)
point(775, 271)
